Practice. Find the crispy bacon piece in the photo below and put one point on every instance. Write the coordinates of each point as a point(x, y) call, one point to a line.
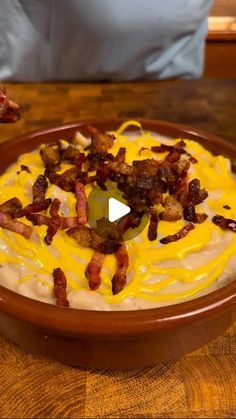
point(200, 218)
point(146, 167)
point(12, 206)
point(175, 151)
point(162, 148)
point(7, 222)
point(50, 154)
point(120, 168)
point(101, 141)
point(9, 110)
point(107, 229)
point(181, 168)
point(33, 208)
point(55, 221)
point(70, 154)
point(60, 284)
point(179, 235)
point(102, 176)
point(93, 270)
point(38, 219)
point(119, 279)
point(152, 229)
point(166, 171)
point(120, 157)
point(173, 209)
point(39, 189)
point(191, 215)
point(196, 195)
point(85, 236)
point(224, 223)
point(131, 220)
point(108, 247)
point(68, 222)
point(65, 180)
point(81, 203)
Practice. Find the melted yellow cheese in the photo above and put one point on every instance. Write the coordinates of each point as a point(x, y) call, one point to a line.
point(145, 256)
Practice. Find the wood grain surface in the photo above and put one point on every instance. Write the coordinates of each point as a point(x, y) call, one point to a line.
point(201, 384)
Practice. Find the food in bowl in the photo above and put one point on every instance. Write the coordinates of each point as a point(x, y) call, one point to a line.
point(50, 253)
point(9, 110)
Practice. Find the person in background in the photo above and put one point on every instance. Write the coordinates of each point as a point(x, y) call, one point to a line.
point(97, 40)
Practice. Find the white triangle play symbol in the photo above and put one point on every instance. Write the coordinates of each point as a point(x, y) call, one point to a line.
point(116, 209)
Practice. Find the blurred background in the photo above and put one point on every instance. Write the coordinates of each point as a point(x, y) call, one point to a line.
point(220, 59)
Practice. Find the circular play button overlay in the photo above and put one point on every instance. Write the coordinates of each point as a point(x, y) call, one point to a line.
point(110, 215)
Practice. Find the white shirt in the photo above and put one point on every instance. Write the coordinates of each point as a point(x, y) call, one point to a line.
point(90, 40)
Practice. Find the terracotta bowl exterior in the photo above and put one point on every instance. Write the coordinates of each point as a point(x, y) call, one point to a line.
point(97, 339)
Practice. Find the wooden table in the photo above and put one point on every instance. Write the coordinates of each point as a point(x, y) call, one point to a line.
point(202, 384)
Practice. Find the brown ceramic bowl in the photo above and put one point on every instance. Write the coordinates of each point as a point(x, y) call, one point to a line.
point(114, 339)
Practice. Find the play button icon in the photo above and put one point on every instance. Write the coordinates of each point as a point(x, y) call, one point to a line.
point(107, 210)
point(117, 209)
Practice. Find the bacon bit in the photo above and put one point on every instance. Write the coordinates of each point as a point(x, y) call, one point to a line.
point(124, 224)
point(81, 203)
point(191, 215)
point(119, 279)
point(50, 154)
point(173, 156)
point(175, 151)
point(162, 148)
point(224, 223)
point(173, 210)
point(100, 141)
point(7, 222)
point(9, 110)
point(102, 176)
point(12, 206)
point(120, 157)
point(100, 157)
point(38, 219)
point(107, 229)
point(33, 208)
point(131, 220)
point(23, 168)
point(226, 207)
point(200, 218)
point(68, 222)
point(196, 195)
point(84, 236)
point(93, 270)
point(108, 247)
point(70, 154)
point(148, 166)
point(55, 221)
point(39, 189)
point(80, 161)
point(65, 180)
point(121, 168)
point(181, 234)
point(152, 229)
point(60, 284)
point(167, 172)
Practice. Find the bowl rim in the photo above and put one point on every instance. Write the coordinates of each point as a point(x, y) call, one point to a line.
point(117, 324)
